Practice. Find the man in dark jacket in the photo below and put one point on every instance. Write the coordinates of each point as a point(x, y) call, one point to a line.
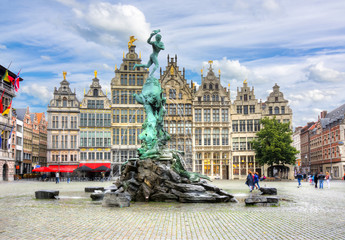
point(250, 181)
point(315, 180)
point(321, 178)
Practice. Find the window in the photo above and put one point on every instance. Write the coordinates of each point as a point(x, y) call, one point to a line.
point(188, 109)
point(91, 104)
point(215, 115)
point(249, 143)
point(172, 93)
point(19, 141)
point(73, 122)
point(198, 135)
point(124, 116)
point(282, 110)
point(239, 109)
point(225, 139)
point(140, 80)
point(197, 113)
point(252, 108)
point(249, 125)
point(216, 137)
point(235, 145)
point(180, 95)
point(172, 127)
point(64, 102)
point(225, 115)
point(116, 136)
point(131, 78)
point(83, 119)
point(180, 127)
point(256, 125)
point(188, 127)
point(207, 115)
point(242, 125)
point(73, 141)
point(123, 136)
point(276, 110)
point(116, 96)
point(207, 136)
point(276, 99)
point(116, 115)
point(270, 111)
point(172, 109)
point(211, 86)
point(245, 97)
point(235, 126)
point(180, 109)
point(124, 79)
point(242, 143)
point(245, 109)
point(180, 144)
point(124, 97)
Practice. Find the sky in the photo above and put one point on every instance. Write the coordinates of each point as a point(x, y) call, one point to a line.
point(300, 45)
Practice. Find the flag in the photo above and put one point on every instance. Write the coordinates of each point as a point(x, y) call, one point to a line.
point(1, 106)
point(5, 77)
point(9, 140)
point(7, 110)
point(16, 82)
point(2, 132)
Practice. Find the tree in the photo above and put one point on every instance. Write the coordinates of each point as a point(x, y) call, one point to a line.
point(273, 143)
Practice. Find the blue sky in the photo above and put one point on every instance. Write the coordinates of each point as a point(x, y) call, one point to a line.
point(300, 45)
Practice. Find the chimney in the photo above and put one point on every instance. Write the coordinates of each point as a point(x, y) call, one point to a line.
point(323, 114)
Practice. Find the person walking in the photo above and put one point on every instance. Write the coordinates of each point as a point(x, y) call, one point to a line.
point(250, 181)
point(256, 180)
point(299, 179)
point(328, 177)
point(57, 177)
point(315, 179)
point(68, 177)
point(321, 179)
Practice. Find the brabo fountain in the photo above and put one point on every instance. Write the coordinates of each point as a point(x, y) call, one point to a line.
point(159, 174)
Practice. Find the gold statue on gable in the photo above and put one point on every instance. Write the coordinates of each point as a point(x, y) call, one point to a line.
point(64, 75)
point(131, 41)
point(95, 73)
point(245, 81)
point(172, 70)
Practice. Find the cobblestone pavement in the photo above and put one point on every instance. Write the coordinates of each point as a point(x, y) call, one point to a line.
point(304, 213)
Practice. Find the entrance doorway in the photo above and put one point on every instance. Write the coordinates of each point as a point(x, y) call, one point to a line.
point(5, 172)
point(278, 171)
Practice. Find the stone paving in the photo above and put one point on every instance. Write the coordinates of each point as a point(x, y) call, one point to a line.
point(304, 213)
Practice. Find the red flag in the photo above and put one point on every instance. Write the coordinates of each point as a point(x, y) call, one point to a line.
point(7, 111)
point(1, 106)
point(16, 82)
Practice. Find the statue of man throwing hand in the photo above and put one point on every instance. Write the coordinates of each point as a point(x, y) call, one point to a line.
point(157, 46)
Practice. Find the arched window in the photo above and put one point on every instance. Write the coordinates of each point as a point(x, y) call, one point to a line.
point(95, 93)
point(64, 102)
point(276, 110)
point(204, 98)
point(216, 86)
point(208, 98)
point(217, 98)
point(211, 86)
point(205, 87)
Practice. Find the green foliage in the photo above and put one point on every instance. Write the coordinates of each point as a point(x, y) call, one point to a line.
point(273, 143)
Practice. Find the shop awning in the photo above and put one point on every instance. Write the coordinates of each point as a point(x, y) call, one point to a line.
point(95, 165)
point(42, 169)
point(63, 168)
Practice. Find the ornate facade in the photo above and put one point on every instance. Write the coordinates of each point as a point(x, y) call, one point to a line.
point(211, 127)
point(127, 115)
point(178, 119)
point(63, 127)
point(245, 116)
point(95, 125)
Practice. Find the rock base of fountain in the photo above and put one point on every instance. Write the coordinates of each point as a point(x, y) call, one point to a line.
point(155, 180)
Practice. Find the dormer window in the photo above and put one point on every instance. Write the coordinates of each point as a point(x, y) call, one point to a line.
point(64, 102)
point(205, 87)
point(95, 93)
point(216, 87)
point(245, 97)
point(211, 86)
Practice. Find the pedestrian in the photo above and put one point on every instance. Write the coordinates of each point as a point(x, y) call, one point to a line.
point(299, 179)
point(321, 179)
point(256, 180)
point(310, 179)
point(68, 177)
point(102, 173)
point(57, 177)
point(315, 179)
point(250, 181)
point(328, 177)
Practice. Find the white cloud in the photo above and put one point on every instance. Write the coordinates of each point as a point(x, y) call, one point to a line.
point(37, 91)
point(121, 19)
point(2, 46)
point(46, 58)
point(319, 73)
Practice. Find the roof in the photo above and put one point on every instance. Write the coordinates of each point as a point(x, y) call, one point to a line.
point(21, 113)
point(333, 116)
point(39, 117)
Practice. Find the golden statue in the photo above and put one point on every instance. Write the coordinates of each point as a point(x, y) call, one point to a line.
point(172, 70)
point(115, 67)
point(245, 81)
point(64, 75)
point(131, 41)
point(219, 71)
point(95, 73)
point(210, 62)
point(202, 70)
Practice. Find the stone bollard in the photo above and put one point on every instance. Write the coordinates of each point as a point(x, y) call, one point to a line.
point(47, 194)
point(92, 189)
point(268, 191)
point(112, 199)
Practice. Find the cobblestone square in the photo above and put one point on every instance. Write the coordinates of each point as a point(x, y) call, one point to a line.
point(303, 213)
